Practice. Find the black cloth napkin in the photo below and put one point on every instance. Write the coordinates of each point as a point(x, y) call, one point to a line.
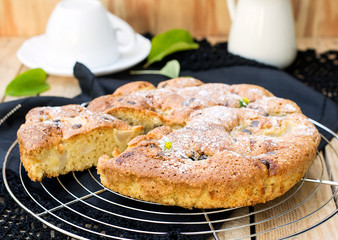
point(313, 104)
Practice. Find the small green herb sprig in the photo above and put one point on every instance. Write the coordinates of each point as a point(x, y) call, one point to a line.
point(244, 102)
point(168, 145)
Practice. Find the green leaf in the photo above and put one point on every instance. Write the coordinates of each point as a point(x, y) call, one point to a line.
point(170, 70)
point(169, 42)
point(28, 83)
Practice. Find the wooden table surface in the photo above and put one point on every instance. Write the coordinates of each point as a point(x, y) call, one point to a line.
point(68, 87)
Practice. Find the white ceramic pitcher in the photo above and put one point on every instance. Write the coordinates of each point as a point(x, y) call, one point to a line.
point(263, 30)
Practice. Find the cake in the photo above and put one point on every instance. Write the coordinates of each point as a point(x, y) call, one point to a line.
point(223, 157)
point(203, 145)
point(56, 140)
point(209, 145)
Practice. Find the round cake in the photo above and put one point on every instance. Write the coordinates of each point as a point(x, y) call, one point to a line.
point(204, 145)
point(219, 145)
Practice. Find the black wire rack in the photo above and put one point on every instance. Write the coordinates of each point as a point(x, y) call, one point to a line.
point(79, 206)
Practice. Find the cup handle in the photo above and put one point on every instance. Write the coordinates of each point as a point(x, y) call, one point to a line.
point(231, 9)
point(120, 25)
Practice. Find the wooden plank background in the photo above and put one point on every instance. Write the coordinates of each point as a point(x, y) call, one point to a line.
point(313, 18)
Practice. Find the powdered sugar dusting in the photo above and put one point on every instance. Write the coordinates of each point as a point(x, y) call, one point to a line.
point(68, 121)
point(215, 129)
point(176, 101)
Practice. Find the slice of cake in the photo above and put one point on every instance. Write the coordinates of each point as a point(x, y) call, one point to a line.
point(57, 140)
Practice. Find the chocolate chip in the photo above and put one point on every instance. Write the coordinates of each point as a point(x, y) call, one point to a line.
point(197, 157)
point(164, 85)
point(271, 153)
point(106, 118)
point(197, 114)
point(192, 99)
point(202, 157)
point(77, 125)
point(123, 157)
point(185, 103)
point(120, 99)
point(246, 131)
point(266, 163)
point(161, 153)
point(131, 102)
point(225, 104)
point(260, 110)
point(193, 156)
point(56, 121)
point(254, 123)
point(152, 145)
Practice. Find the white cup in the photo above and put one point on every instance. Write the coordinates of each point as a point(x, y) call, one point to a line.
point(83, 31)
point(263, 30)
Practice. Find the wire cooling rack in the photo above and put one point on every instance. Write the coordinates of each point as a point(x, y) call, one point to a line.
point(79, 206)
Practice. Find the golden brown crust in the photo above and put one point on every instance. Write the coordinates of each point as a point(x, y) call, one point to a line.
point(250, 91)
point(181, 82)
point(133, 87)
point(221, 155)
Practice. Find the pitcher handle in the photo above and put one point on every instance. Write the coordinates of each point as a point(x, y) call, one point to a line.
point(231, 9)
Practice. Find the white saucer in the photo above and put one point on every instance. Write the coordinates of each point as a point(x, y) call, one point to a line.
point(33, 55)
